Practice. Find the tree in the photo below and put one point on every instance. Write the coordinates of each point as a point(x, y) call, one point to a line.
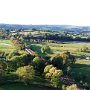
point(13, 53)
point(55, 79)
point(26, 73)
point(63, 60)
point(50, 73)
point(38, 64)
point(21, 60)
point(45, 49)
point(72, 87)
point(3, 65)
point(53, 74)
point(2, 53)
point(47, 68)
point(57, 61)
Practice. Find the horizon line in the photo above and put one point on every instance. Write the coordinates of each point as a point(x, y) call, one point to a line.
point(48, 24)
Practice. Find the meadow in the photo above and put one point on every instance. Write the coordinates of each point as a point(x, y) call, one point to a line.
point(6, 45)
point(74, 48)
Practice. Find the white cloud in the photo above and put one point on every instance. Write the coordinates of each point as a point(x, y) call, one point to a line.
point(74, 12)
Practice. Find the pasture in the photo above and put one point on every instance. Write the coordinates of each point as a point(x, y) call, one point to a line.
point(74, 48)
point(6, 45)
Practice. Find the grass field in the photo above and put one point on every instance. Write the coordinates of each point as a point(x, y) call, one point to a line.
point(6, 45)
point(74, 48)
point(82, 68)
point(18, 86)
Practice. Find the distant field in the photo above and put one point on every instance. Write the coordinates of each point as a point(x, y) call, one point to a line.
point(74, 48)
point(6, 45)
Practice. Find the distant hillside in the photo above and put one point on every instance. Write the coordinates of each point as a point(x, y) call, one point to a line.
point(46, 27)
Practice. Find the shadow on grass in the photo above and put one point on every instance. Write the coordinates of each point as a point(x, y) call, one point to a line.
point(81, 73)
point(37, 49)
point(21, 86)
point(80, 66)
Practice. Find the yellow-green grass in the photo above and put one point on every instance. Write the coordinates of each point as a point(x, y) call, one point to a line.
point(87, 62)
point(6, 45)
point(69, 46)
point(74, 48)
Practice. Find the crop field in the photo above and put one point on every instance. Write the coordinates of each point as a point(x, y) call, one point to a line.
point(6, 45)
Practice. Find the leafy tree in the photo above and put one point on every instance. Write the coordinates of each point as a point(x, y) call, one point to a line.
point(13, 53)
point(47, 68)
point(21, 60)
point(53, 74)
point(72, 87)
point(26, 73)
point(2, 53)
point(3, 65)
point(50, 72)
point(63, 60)
point(11, 66)
point(45, 49)
point(57, 61)
point(38, 64)
point(55, 79)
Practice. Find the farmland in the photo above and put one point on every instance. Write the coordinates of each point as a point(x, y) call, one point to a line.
point(74, 48)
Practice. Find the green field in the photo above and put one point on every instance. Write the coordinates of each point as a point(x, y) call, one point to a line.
point(82, 69)
point(6, 45)
point(21, 87)
point(74, 48)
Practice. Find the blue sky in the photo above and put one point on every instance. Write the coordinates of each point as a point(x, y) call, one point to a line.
point(71, 12)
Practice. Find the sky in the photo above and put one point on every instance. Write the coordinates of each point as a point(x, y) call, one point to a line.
point(58, 12)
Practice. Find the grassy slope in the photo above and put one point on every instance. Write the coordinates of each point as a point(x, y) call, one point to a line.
point(6, 45)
